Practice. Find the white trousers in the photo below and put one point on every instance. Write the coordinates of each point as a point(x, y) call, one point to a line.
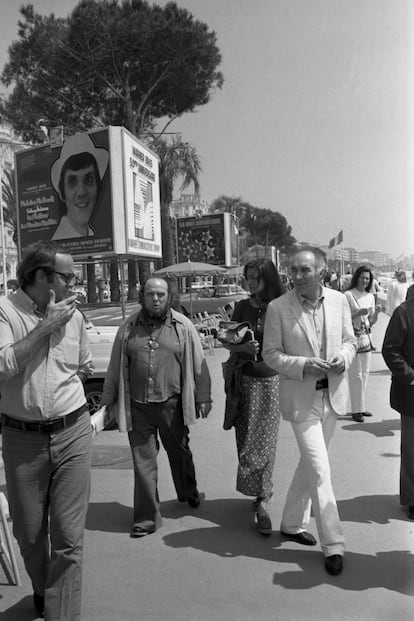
point(311, 484)
point(358, 374)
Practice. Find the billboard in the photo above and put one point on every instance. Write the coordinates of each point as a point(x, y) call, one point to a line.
point(210, 239)
point(96, 194)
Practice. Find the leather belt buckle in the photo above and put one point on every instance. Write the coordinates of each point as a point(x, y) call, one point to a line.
point(321, 384)
point(46, 426)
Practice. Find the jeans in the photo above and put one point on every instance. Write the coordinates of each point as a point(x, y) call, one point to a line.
point(48, 484)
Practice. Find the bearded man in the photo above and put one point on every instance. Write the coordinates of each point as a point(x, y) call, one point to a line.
point(158, 382)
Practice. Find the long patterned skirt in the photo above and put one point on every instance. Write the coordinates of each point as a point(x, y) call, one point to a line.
point(257, 427)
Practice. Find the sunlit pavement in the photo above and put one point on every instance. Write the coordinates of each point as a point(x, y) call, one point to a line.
point(210, 564)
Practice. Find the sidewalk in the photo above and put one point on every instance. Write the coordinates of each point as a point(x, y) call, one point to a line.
point(209, 564)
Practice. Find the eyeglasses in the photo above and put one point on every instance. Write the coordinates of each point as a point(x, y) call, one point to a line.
point(68, 277)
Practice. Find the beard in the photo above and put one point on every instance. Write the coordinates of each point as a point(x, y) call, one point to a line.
point(159, 313)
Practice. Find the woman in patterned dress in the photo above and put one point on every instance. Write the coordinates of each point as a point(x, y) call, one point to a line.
point(258, 416)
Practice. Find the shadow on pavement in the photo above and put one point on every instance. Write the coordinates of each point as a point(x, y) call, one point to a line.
point(393, 571)
point(375, 509)
point(379, 429)
point(21, 611)
point(109, 517)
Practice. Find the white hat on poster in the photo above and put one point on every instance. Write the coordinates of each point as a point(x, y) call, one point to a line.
point(79, 143)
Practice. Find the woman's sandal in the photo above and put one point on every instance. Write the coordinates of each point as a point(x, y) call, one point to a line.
point(264, 523)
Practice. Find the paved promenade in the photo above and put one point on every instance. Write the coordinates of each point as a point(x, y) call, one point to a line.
point(210, 564)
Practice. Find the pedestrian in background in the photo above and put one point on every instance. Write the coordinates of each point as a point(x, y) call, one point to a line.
point(44, 358)
point(158, 383)
point(397, 291)
point(257, 416)
point(364, 314)
point(398, 353)
point(308, 339)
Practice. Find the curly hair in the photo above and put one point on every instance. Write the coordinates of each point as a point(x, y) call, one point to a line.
point(38, 256)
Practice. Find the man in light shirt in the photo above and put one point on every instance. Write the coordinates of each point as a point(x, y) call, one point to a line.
point(44, 360)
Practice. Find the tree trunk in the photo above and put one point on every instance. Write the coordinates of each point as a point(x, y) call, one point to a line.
point(132, 280)
point(114, 281)
point(168, 251)
point(144, 271)
point(91, 284)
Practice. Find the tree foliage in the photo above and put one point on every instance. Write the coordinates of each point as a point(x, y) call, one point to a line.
point(267, 228)
point(258, 226)
point(109, 63)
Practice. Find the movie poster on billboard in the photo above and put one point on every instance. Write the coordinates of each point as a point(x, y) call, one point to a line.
point(209, 239)
point(143, 214)
point(64, 194)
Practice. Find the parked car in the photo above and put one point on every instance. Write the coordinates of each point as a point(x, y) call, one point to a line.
point(211, 299)
point(101, 339)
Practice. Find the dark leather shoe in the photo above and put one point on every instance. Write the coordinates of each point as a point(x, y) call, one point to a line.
point(410, 512)
point(39, 604)
point(334, 564)
point(304, 538)
point(194, 500)
point(358, 417)
point(366, 413)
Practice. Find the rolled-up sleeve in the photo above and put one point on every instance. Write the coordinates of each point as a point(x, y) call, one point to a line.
point(86, 366)
point(8, 362)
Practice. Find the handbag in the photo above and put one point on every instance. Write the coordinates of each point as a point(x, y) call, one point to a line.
point(233, 332)
point(362, 334)
point(363, 338)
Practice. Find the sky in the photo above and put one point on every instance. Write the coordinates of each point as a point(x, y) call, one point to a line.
point(315, 116)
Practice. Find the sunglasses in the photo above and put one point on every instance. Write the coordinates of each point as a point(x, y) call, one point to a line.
point(68, 277)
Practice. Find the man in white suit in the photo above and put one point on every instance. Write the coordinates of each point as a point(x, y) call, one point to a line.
point(309, 340)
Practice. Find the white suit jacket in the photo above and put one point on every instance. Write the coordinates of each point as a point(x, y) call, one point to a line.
point(289, 340)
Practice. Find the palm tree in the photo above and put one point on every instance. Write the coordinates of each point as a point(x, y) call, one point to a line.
point(9, 197)
point(178, 160)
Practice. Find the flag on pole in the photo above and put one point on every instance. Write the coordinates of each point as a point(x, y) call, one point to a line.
point(336, 240)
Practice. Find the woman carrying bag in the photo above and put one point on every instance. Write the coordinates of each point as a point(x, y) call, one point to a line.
point(364, 314)
point(255, 400)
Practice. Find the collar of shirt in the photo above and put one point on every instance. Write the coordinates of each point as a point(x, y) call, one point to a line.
point(307, 304)
point(27, 303)
point(143, 319)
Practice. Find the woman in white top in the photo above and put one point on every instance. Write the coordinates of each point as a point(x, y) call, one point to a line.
point(397, 291)
point(364, 313)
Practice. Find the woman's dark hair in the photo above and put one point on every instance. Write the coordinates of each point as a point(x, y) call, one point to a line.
point(38, 256)
point(355, 277)
point(77, 162)
point(268, 274)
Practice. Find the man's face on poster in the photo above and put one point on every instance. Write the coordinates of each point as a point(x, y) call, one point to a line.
point(80, 190)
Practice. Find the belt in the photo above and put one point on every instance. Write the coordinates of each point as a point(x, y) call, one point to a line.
point(321, 384)
point(50, 426)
